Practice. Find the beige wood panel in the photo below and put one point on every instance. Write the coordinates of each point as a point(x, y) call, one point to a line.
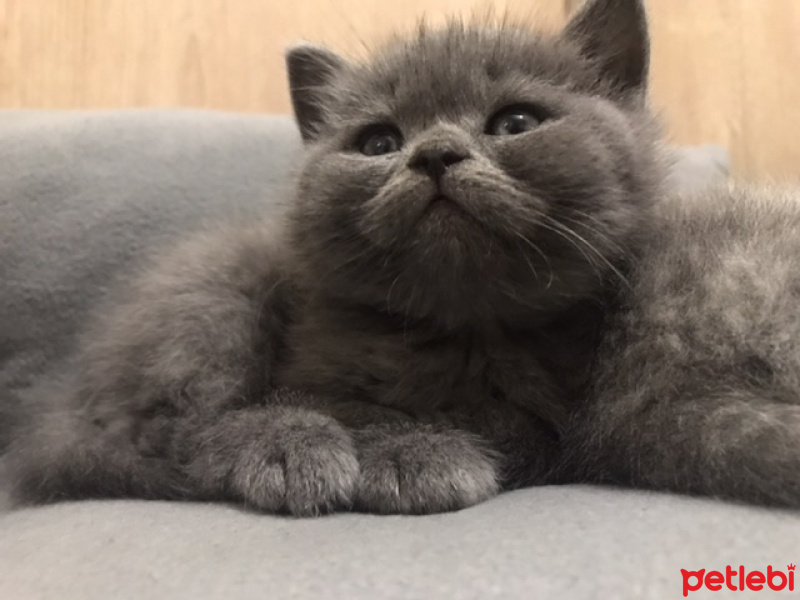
point(697, 69)
point(771, 88)
point(224, 54)
point(723, 70)
point(728, 71)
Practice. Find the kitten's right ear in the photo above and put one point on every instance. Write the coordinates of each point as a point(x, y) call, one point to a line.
point(614, 35)
point(311, 70)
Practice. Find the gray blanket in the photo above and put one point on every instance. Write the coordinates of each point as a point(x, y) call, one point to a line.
point(83, 196)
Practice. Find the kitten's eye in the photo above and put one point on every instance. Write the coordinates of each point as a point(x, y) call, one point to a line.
point(513, 121)
point(376, 141)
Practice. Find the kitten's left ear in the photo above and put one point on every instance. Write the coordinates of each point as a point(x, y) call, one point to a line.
point(312, 70)
point(613, 34)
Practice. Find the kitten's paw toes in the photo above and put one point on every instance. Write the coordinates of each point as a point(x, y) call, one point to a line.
point(423, 471)
point(305, 464)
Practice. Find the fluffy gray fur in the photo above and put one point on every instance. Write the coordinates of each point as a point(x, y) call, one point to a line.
point(697, 383)
point(420, 330)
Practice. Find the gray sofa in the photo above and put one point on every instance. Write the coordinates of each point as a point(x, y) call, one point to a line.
point(82, 197)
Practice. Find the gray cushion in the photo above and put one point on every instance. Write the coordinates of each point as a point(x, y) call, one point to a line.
point(82, 197)
point(548, 543)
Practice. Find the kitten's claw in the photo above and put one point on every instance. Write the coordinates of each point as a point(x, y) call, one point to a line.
point(421, 470)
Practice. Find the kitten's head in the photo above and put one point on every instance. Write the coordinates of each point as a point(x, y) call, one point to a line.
point(475, 173)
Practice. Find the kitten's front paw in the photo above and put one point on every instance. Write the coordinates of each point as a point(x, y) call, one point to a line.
point(305, 463)
point(420, 470)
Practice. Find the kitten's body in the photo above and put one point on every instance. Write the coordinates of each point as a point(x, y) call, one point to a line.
point(472, 258)
point(414, 335)
point(697, 383)
point(462, 411)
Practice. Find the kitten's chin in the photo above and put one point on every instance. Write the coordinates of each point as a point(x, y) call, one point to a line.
point(445, 215)
point(447, 235)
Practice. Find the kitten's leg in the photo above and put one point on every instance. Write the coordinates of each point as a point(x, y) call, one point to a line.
point(527, 447)
point(445, 461)
point(696, 386)
point(452, 460)
point(417, 468)
point(731, 444)
point(168, 384)
point(285, 456)
point(59, 454)
point(294, 454)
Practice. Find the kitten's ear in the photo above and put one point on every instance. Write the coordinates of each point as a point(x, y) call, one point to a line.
point(311, 70)
point(613, 34)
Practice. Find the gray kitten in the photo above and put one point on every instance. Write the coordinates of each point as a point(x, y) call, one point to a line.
point(474, 290)
point(413, 337)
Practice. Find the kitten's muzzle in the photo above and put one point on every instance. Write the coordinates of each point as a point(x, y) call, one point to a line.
point(435, 161)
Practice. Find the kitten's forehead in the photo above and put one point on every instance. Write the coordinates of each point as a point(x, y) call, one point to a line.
point(455, 70)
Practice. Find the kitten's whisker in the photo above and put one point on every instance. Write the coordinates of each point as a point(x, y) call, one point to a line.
point(389, 295)
point(612, 246)
point(597, 231)
point(407, 311)
point(351, 259)
point(266, 297)
point(525, 256)
point(571, 242)
point(589, 259)
point(538, 250)
point(530, 264)
point(569, 232)
point(342, 265)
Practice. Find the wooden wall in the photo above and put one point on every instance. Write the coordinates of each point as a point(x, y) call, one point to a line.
point(724, 70)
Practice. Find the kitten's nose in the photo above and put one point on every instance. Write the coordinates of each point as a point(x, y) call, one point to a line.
point(435, 161)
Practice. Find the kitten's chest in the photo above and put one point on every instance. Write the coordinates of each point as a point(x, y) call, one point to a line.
point(418, 373)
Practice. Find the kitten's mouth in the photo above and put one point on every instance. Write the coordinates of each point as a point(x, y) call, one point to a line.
point(444, 210)
point(444, 216)
point(438, 199)
point(443, 202)
point(447, 217)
